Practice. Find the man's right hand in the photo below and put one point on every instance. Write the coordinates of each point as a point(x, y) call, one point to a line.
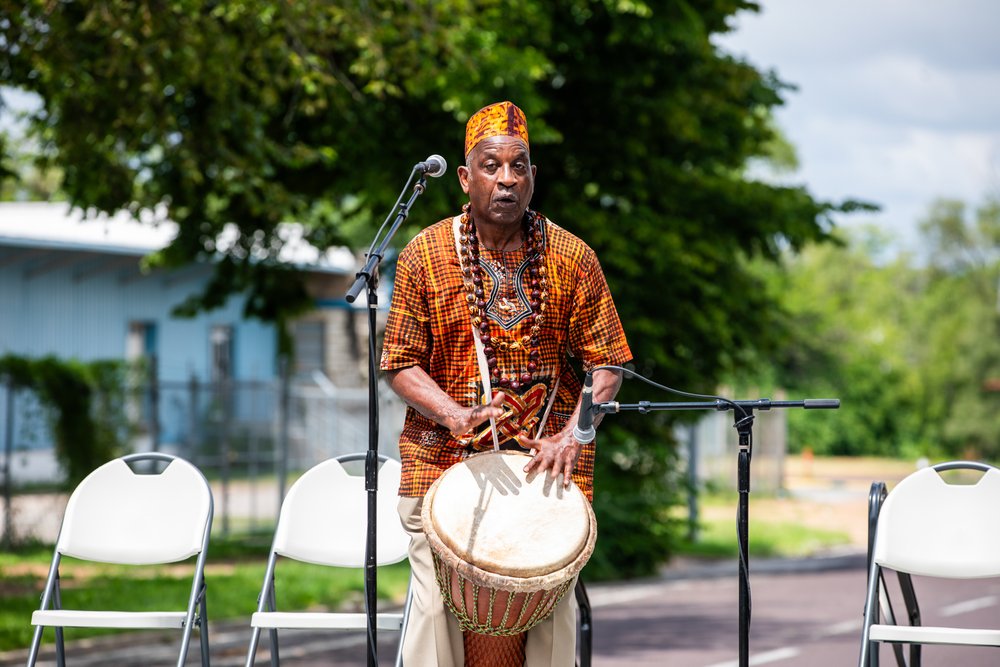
point(421, 393)
point(462, 419)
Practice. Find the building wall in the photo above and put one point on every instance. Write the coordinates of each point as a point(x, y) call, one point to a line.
point(76, 305)
point(344, 346)
point(345, 327)
point(82, 312)
point(74, 290)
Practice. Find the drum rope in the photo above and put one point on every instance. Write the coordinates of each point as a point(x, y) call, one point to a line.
point(468, 619)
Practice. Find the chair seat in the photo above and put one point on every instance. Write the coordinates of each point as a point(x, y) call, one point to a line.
point(934, 635)
point(312, 620)
point(74, 618)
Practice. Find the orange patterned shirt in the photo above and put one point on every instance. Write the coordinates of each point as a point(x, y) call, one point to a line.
point(430, 326)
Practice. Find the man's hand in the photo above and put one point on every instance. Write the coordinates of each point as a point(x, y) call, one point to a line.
point(460, 420)
point(421, 393)
point(557, 453)
point(560, 452)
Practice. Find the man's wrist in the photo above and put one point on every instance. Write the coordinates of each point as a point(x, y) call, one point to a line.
point(452, 420)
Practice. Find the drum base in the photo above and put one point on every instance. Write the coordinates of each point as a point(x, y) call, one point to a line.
point(489, 651)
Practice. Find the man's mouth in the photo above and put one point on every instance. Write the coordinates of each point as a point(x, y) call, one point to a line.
point(505, 200)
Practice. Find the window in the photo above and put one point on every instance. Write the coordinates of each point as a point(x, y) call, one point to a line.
point(140, 353)
point(141, 341)
point(310, 346)
point(221, 339)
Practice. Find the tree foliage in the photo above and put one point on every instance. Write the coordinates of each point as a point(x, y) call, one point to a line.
point(846, 320)
point(254, 113)
point(84, 404)
point(959, 321)
point(910, 346)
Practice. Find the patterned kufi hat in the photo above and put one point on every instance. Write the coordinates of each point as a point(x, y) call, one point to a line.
point(496, 120)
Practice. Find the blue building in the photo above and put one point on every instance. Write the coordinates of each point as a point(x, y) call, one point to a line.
point(76, 288)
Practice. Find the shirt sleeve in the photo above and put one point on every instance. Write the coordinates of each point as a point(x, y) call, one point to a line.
point(596, 335)
point(407, 330)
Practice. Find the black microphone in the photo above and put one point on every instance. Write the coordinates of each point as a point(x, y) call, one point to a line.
point(433, 166)
point(584, 431)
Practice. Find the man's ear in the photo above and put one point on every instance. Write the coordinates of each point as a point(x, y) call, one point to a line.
point(463, 177)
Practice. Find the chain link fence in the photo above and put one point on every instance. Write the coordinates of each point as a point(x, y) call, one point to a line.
point(251, 439)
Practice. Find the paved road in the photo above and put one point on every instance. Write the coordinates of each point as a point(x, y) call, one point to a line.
point(804, 613)
point(801, 618)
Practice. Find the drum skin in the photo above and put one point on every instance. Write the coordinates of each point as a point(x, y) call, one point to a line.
point(506, 544)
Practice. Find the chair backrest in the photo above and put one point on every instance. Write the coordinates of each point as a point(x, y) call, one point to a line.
point(116, 515)
point(930, 527)
point(324, 517)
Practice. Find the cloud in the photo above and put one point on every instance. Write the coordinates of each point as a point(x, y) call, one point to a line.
point(862, 155)
point(898, 101)
point(905, 89)
point(956, 35)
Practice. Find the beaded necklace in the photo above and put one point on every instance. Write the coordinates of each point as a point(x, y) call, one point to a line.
point(472, 276)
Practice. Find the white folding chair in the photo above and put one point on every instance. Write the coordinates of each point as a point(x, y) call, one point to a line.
point(323, 521)
point(931, 528)
point(121, 516)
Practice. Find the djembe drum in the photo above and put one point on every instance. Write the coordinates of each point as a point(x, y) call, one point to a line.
point(507, 546)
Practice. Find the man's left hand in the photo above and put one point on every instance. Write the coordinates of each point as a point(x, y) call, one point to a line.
point(557, 453)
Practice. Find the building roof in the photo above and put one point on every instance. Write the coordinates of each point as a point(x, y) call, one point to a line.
point(58, 226)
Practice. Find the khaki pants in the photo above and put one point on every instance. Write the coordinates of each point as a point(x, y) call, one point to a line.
point(433, 638)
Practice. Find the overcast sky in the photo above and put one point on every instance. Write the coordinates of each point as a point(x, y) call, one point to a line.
point(898, 101)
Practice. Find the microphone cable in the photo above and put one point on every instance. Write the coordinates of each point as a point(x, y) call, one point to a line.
point(710, 397)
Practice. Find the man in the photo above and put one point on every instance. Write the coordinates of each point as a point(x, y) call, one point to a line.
point(484, 309)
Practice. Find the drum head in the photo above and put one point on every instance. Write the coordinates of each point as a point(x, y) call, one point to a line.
point(490, 514)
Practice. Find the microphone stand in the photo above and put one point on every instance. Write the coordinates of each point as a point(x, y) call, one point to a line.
point(743, 417)
point(368, 276)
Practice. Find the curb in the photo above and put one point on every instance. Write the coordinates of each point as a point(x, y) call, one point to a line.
point(684, 568)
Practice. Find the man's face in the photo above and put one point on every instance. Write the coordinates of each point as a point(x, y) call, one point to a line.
point(499, 180)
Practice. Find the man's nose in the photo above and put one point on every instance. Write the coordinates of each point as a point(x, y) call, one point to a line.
point(507, 176)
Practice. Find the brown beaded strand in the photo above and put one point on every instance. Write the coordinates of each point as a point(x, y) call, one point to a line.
point(472, 274)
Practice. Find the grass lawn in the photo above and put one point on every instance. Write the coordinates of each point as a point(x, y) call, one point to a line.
point(234, 579)
point(824, 505)
point(716, 538)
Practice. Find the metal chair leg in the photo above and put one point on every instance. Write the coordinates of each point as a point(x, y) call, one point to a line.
point(60, 635)
point(275, 660)
point(912, 612)
point(252, 652)
point(206, 658)
point(36, 641)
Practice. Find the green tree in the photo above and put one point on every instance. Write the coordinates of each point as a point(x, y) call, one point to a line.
point(960, 326)
point(84, 404)
point(847, 327)
point(20, 177)
point(910, 345)
point(254, 113)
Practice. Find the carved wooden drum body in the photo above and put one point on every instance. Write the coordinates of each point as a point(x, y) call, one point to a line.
point(507, 545)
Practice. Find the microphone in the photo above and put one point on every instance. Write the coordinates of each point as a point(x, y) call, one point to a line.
point(433, 166)
point(584, 431)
